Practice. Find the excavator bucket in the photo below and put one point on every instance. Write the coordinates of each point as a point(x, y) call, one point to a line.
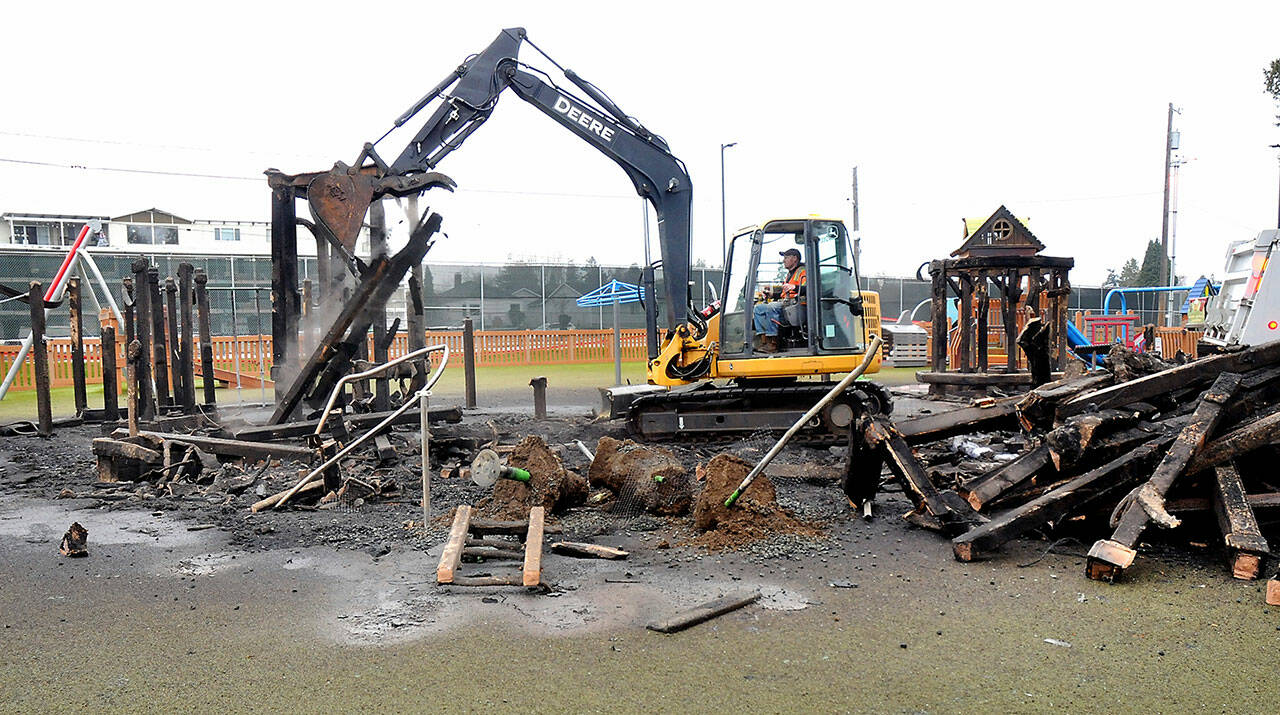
point(339, 200)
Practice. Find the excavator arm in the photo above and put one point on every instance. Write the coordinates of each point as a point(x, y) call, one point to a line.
point(468, 97)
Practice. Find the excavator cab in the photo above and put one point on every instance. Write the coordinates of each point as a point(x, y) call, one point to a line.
point(791, 309)
point(792, 303)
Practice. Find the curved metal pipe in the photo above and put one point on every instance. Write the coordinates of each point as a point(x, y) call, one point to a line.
point(337, 389)
point(426, 389)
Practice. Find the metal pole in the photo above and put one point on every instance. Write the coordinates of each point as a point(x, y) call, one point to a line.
point(617, 346)
point(724, 228)
point(423, 425)
point(857, 238)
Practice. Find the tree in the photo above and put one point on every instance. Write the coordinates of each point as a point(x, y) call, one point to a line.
point(1113, 280)
point(1271, 76)
point(1129, 273)
point(1149, 274)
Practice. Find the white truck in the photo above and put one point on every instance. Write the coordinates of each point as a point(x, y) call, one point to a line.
point(1246, 310)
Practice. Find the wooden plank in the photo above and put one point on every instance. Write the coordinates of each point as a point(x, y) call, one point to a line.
point(240, 448)
point(1273, 591)
point(501, 580)
point(314, 485)
point(1004, 478)
point(1108, 558)
point(116, 449)
point(382, 445)
point(587, 551)
point(496, 526)
point(1240, 441)
point(451, 556)
point(915, 480)
point(1246, 546)
point(532, 571)
point(1115, 477)
point(990, 415)
point(704, 612)
point(1195, 372)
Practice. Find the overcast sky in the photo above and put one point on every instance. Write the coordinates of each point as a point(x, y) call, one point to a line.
point(948, 110)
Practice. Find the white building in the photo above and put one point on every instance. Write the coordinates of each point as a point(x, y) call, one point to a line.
point(154, 232)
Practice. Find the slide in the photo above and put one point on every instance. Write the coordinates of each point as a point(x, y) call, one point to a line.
point(1082, 348)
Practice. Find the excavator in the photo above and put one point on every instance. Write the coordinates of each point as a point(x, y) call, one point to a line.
point(746, 363)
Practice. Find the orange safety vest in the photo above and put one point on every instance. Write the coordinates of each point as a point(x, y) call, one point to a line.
point(797, 276)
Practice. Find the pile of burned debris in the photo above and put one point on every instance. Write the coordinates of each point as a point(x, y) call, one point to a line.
point(1114, 453)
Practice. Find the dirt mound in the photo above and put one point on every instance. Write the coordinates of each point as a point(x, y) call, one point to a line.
point(756, 514)
point(644, 478)
point(550, 485)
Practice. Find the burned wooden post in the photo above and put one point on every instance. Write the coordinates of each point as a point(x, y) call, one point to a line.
point(350, 328)
point(284, 282)
point(206, 339)
point(305, 337)
point(965, 323)
point(159, 347)
point(983, 304)
point(142, 333)
point(134, 359)
point(948, 512)
point(1034, 341)
point(110, 389)
point(77, 346)
point(40, 361)
point(539, 385)
point(469, 360)
point(1246, 546)
point(1108, 558)
point(171, 331)
point(938, 306)
point(378, 249)
point(186, 341)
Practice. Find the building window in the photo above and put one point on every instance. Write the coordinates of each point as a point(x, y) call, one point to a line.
point(31, 234)
point(226, 234)
point(152, 235)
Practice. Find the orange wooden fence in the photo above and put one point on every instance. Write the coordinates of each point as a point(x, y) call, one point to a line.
point(250, 355)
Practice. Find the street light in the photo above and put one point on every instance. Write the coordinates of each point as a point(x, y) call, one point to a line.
point(724, 229)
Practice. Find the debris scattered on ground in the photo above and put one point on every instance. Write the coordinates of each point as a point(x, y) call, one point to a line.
point(704, 612)
point(1125, 455)
point(587, 551)
point(75, 541)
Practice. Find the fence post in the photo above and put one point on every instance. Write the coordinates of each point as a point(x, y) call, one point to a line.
point(40, 355)
point(469, 359)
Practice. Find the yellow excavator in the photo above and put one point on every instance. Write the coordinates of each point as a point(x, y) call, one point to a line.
point(791, 307)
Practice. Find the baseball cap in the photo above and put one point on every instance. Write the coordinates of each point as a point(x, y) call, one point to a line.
point(789, 252)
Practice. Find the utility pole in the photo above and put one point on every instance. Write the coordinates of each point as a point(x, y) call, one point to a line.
point(857, 233)
point(1164, 216)
point(1277, 146)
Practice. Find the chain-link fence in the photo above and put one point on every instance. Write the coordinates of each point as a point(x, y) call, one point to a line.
point(512, 296)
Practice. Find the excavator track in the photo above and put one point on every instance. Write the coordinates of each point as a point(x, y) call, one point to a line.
point(711, 413)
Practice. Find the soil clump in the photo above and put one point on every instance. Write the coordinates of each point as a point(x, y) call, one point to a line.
point(550, 485)
point(756, 514)
point(642, 478)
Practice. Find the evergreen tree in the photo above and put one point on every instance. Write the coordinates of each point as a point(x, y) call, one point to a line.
point(1149, 274)
point(1129, 273)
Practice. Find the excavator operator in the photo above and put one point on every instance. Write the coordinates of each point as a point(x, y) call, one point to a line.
point(768, 314)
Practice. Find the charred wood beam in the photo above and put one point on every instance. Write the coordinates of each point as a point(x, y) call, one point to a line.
point(1069, 441)
point(1036, 409)
point(995, 414)
point(1193, 373)
point(1246, 547)
point(1087, 489)
point(997, 482)
point(334, 353)
point(1242, 440)
point(950, 511)
point(1108, 558)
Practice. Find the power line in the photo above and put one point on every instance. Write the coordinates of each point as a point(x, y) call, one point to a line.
point(157, 172)
point(116, 142)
